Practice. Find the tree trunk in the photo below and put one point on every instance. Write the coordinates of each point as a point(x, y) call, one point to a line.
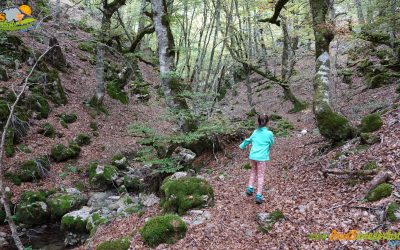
point(370, 12)
point(170, 83)
point(360, 14)
point(330, 124)
point(100, 89)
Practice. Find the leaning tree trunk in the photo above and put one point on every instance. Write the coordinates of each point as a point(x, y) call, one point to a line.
point(331, 124)
point(171, 84)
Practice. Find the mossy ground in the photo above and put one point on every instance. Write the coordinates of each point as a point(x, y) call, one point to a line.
point(381, 191)
point(163, 229)
point(115, 92)
point(122, 243)
point(186, 193)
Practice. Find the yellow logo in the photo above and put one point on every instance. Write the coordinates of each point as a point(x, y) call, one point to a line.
point(17, 18)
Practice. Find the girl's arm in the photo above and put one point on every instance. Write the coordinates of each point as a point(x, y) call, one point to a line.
point(246, 142)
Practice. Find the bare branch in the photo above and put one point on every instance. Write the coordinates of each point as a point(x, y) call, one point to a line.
point(274, 19)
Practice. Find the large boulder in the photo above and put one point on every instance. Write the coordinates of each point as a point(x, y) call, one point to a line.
point(182, 194)
point(76, 221)
point(62, 203)
point(102, 177)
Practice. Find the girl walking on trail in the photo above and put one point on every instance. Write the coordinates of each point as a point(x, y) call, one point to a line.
point(261, 141)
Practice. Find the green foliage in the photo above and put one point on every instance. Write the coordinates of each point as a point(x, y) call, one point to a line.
point(378, 80)
point(62, 153)
point(282, 128)
point(163, 229)
point(369, 138)
point(246, 166)
point(39, 104)
point(381, 191)
point(96, 105)
point(94, 126)
point(73, 224)
point(82, 139)
point(14, 178)
point(392, 208)
point(115, 92)
point(94, 221)
point(9, 142)
point(47, 130)
point(186, 193)
point(371, 123)
point(33, 169)
point(122, 243)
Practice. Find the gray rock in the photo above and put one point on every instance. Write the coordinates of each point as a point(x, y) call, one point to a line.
point(178, 175)
point(73, 239)
point(150, 200)
point(197, 217)
point(99, 199)
point(263, 217)
point(183, 155)
point(3, 242)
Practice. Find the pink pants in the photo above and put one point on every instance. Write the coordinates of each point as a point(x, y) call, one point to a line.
point(257, 171)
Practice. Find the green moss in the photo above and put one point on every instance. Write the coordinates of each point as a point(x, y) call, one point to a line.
point(333, 126)
point(2, 217)
point(392, 208)
point(33, 169)
point(186, 193)
point(381, 191)
point(370, 165)
point(120, 161)
point(62, 203)
point(371, 123)
point(298, 106)
point(252, 113)
point(94, 126)
point(38, 104)
point(96, 105)
point(69, 118)
point(47, 130)
point(94, 221)
point(82, 139)
point(282, 128)
point(62, 153)
point(273, 217)
point(163, 229)
point(115, 92)
point(4, 110)
point(398, 89)
point(33, 196)
point(122, 243)
point(275, 117)
point(89, 47)
point(276, 215)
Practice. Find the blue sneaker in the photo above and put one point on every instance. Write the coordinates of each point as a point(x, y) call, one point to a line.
point(259, 198)
point(249, 191)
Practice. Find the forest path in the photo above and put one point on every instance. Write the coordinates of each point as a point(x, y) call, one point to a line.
point(301, 193)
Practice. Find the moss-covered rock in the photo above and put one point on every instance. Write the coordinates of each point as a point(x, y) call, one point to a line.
point(49, 85)
point(371, 123)
point(141, 90)
point(122, 243)
point(393, 209)
point(163, 229)
point(334, 126)
point(381, 191)
point(102, 177)
point(33, 169)
point(115, 92)
point(369, 138)
point(94, 221)
point(186, 193)
point(62, 153)
point(76, 221)
point(35, 213)
point(38, 104)
point(62, 203)
point(47, 130)
point(120, 161)
point(69, 118)
point(12, 48)
point(83, 139)
point(32, 209)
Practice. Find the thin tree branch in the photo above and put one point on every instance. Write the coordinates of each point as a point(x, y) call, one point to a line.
point(274, 19)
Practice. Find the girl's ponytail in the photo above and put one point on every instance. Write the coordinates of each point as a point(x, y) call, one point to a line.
point(262, 120)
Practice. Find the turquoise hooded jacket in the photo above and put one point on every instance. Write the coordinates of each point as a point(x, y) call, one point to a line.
point(261, 142)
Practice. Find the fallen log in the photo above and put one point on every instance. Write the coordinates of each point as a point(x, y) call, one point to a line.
point(349, 172)
point(380, 178)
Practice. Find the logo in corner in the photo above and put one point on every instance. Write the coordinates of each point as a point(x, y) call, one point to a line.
point(17, 18)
